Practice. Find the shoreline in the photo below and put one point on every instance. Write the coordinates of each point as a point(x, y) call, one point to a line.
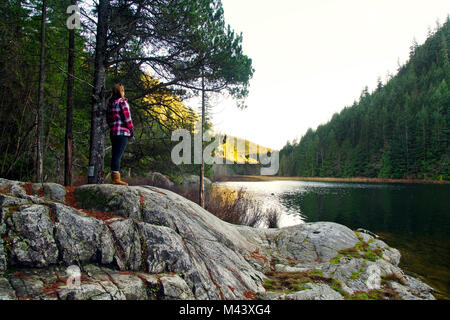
point(418, 263)
point(250, 178)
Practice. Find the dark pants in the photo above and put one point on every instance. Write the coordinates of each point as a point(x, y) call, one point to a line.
point(118, 147)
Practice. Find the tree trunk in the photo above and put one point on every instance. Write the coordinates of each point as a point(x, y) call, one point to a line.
point(202, 165)
point(69, 111)
point(40, 113)
point(98, 113)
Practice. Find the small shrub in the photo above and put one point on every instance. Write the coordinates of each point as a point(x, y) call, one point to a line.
point(336, 260)
point(316, 272)
point(355, 275)
point(360, 296)
point(289, 282)
point(385, 293)
point(234, 206)
point(272, 218)
point(360, 250)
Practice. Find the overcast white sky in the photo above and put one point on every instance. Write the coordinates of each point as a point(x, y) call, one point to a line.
point(313, 57)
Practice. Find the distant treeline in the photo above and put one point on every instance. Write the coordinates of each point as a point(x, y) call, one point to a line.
point(400, 130)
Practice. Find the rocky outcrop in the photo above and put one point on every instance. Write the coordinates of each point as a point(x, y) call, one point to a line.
point(150, 243)
point(191, 181)
point(159, 180)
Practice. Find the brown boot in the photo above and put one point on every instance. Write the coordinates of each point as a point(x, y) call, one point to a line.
point(116, 179)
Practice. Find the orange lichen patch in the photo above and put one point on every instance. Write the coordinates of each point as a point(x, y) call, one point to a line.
point(215, 283)
point(144, 281)
point(52, 288)
point(258, 256)
point(60, 279)
point(126, 272)
point(51, 215)
point(232, 289)
point(187, 248)
point(85, 278)
point(158, 276)
point(28, 188)
point(156, 294)
point(229, 269)
point(249, 294)
point(235, 274)
point(112, 280)
point(5, 189)
point(157, 191)
point(170, 274)
point(116, 246)
point(99, 215)
point(70, 197)
point(141, 200)
point(20, 275)
point(72, 202)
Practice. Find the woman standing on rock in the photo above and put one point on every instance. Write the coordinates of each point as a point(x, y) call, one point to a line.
point(121, 128)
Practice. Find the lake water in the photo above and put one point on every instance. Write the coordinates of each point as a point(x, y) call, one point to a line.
point(414, 218)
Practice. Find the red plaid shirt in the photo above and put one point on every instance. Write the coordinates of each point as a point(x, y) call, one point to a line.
point(119, 118)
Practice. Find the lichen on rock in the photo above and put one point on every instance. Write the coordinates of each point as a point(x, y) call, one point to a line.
point(144, 242)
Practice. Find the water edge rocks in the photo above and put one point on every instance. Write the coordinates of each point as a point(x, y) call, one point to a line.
point(142, 242)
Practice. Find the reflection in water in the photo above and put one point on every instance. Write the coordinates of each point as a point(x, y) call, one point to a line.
point(410, 217)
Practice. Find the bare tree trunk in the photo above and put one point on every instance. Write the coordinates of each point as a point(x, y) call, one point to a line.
point(202, 165)
point(98, 121)
point(39, 133)
point(69, 111)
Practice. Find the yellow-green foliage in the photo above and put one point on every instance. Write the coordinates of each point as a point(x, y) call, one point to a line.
point(375, 294)
point(316, 272)
point(360, 250)
point(288, 282)
point(355, 275)
point(167, 107)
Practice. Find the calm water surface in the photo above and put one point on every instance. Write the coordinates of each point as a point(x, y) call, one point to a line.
point(413, 218)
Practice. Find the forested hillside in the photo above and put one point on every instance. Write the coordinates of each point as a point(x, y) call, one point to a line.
point(400, 130)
